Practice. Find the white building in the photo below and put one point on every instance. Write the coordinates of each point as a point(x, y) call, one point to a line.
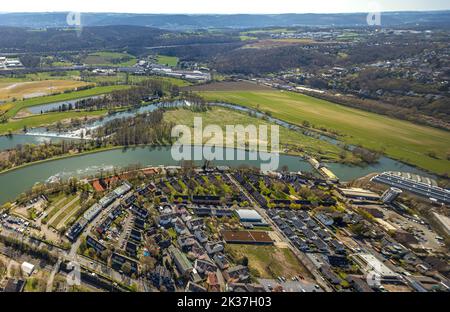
point(391, 195)
point(27, 268)
point(371, 265)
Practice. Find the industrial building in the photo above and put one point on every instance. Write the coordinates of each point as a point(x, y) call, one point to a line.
point(358, 194)
point(6, 63)
point(251, 217)
point(370, 264)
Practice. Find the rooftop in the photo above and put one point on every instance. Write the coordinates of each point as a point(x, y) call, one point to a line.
point(248, 214)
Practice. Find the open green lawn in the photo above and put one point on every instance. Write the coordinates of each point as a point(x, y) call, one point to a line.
point(291, 141)
point(70, 75)
point(68, 211)
point(60, 97)
point(45, 119)
point(58, 202)
point(268, 261)
point(110, 59)
point(402, 140)
point(167, 60)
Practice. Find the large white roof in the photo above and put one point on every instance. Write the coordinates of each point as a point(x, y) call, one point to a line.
point(248, 214)
point(28, 268)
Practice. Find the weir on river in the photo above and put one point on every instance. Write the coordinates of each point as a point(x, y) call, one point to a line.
point(19, 180)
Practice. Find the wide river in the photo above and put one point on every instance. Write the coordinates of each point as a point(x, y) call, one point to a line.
point(17, 181)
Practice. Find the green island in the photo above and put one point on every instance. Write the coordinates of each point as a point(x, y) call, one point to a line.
point(401, 140)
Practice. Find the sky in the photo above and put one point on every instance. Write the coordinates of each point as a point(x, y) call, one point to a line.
point(222, 7)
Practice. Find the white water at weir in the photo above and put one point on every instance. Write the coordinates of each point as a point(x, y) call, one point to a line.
point(81, 133)
point(90, 170)
point(75, 134)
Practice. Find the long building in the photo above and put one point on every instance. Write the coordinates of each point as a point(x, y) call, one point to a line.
point(419, 188)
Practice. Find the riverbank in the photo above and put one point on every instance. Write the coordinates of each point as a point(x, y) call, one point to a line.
point(398, 139)
point(61, 157)
point(19, 105)
point(328, 147)
point(89, 164)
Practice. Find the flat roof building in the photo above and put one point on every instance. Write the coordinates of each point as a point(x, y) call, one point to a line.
point(121, 190)
point(27, 268)
point(358, 193)
point(182, 263)
point(92, 212)
point(250, 216)
point(369, 263)
point(410, 184)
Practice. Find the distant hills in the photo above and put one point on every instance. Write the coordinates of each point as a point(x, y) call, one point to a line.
point(185, 22)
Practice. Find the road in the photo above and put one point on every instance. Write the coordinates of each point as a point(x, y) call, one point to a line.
point(96, 266)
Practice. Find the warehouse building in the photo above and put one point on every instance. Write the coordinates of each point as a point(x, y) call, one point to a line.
point(251, 217)
point(358, 194)
point(413, 185)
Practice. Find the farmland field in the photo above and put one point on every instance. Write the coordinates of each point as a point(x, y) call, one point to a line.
point(45, 119)
point(121, 77)
point(291, 141)
point(21, 90)
point(60, 97)
point(230, 86)
point(167, 60)
point(422, 146)
point(39, 76)
point(110, 59)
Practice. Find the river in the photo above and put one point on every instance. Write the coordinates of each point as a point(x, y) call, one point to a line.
point(14, 182)
point(8, 142)
point(17, 181)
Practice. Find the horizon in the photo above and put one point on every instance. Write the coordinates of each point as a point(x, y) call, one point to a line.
point(215, 13)
point(230, 7)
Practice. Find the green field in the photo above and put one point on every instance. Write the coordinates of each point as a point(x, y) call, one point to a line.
point(45, 119)
point(291, 142)
point(19, 105)
point(247, 38)
point(167, 60)
point(121, 78)
point(110, 59)
point(67, 212)
point(70, 75)
point(268, 261)
point(422, 146)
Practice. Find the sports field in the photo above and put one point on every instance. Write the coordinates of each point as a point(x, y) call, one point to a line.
point(422, 146)
point(30, 89)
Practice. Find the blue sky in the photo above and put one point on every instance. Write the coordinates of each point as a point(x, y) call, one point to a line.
point(223, 7)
